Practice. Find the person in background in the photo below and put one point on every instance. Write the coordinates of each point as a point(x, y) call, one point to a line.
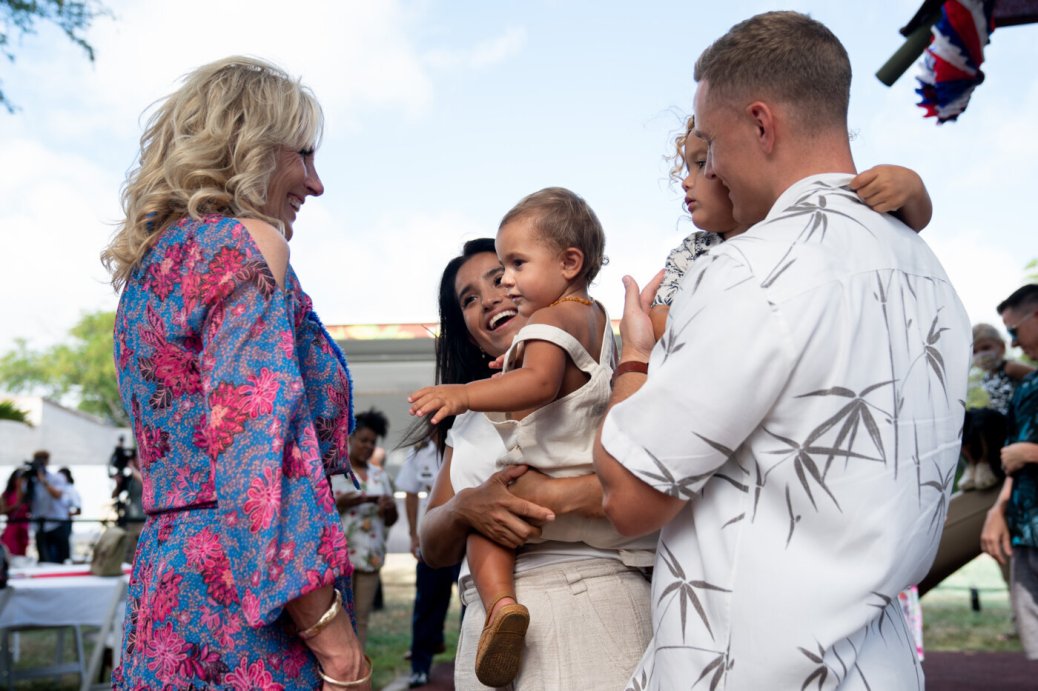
point(1000, 379)
point(1011, 526)
point(49, 511)
point(73, 504)
point(432, 596)
point(72, 498)
point(128, 495)
point(14, 503)
point(367, 511)
point(238, 397)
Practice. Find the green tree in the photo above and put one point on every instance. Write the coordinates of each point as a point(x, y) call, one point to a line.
point(19, 17)
point(9, 411)
point(81, 370)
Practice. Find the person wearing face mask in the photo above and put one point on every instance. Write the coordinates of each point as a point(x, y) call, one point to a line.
point(999, 382)
point(1000, 375)
point(239, 399)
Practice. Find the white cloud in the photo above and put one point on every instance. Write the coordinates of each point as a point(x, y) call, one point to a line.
point(983, 275)
point(483, 54)
point(53, 221)
point(354, 55)
point(388, 272)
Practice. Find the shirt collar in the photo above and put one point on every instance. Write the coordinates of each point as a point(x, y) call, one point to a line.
point(822, 181)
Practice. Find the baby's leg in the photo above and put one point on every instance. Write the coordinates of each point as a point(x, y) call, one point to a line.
point(501, 643)
point(493, 569)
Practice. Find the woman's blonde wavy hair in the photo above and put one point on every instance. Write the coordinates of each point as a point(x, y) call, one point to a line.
point(211, 147)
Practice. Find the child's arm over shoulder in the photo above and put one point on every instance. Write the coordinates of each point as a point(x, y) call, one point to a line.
point(536, 383)
point(897, 190)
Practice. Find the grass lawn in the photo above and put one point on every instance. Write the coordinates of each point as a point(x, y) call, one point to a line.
point(950, 624)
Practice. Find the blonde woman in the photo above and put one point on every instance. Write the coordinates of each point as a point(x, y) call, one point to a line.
point(240, 400)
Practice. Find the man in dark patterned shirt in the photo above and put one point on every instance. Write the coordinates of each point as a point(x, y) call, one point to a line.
point(1011, 527)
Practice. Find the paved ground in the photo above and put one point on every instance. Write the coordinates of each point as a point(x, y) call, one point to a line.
point(944, 672)
point(973, 671)
point(441, 679)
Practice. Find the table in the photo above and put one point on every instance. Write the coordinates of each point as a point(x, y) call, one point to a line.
point(52, 596)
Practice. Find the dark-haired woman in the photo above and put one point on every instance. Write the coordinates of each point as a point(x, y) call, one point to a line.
point(589, 609)
point(366, 512)
point(14, 505)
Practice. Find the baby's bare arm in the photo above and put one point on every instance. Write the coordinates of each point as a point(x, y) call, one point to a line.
point(897, 190)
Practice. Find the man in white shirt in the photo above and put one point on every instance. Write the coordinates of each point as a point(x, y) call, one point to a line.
point(796, 435)
point(50, 511)
point(432, 586)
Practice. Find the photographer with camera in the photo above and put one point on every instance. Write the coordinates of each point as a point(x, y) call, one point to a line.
point(49, 510)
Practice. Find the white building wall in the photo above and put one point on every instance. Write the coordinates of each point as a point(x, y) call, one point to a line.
point(72, 437)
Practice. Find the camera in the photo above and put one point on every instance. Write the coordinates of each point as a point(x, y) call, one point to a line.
point(30, 471)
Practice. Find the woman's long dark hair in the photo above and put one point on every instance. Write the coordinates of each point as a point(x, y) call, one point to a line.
point(458, 359)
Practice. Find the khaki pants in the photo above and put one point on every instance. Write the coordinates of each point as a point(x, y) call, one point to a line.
point(1024, 589)
point(590, 623)
point(960, 541)
point(364, 585)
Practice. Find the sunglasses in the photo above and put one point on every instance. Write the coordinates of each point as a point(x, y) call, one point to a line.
point(1011, 330)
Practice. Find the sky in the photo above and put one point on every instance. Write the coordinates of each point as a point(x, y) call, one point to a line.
point(442, 114)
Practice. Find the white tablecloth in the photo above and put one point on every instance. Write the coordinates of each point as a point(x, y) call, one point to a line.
point(57, 595)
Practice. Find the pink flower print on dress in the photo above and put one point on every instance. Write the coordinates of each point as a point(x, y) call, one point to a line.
point(264, 500)
point(323, 494)
point(294, 658)
point(166, 597)
point(226, 417)
point(218, 279)
point(204, 664)
point(248, 677)
point(250, 607)
point(152, 442)
point(219, 581)
point(286, 343)
point(260, 393)
point(125, 351)
point(163, 275)
point(228, 629)
point(203, 549)
point(165, 651)
point(333, 545)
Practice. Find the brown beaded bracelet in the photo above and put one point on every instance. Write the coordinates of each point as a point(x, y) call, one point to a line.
point(630, 366)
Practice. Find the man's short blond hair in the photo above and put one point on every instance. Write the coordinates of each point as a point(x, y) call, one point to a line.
point(785, 56)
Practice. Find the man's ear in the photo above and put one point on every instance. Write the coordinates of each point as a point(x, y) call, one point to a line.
point(572, 262)
point(762, 115)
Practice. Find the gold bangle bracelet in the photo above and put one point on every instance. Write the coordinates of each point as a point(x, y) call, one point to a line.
point(348, 684)
point(326, 618)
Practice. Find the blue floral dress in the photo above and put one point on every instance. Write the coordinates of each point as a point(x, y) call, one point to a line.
point(241, 407)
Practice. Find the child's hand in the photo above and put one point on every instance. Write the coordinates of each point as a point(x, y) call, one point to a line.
point(442, 401)
point(886, 188)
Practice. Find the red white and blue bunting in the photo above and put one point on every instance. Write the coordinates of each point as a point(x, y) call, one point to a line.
point(950, 68)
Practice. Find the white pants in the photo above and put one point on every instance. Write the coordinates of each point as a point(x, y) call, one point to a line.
point(589, 625)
